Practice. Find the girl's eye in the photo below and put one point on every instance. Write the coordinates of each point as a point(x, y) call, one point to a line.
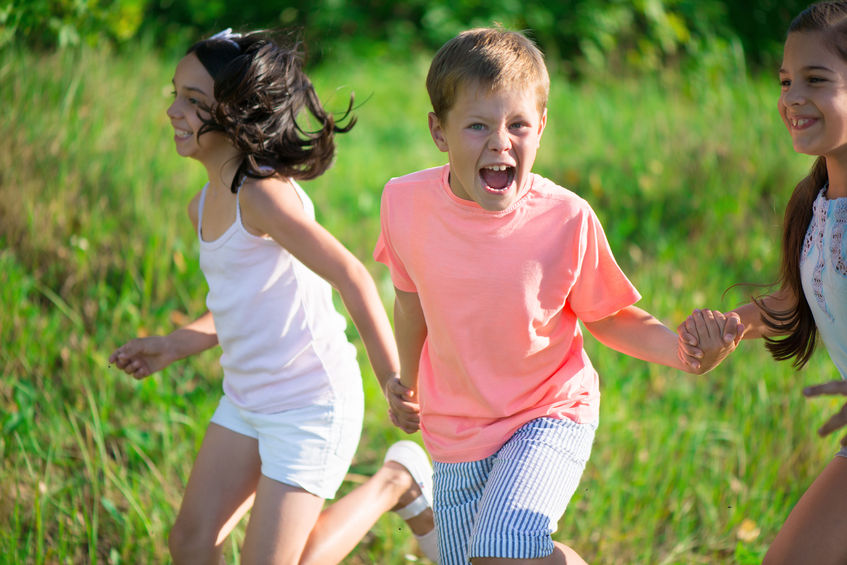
point(476, 127)
point(784, 83)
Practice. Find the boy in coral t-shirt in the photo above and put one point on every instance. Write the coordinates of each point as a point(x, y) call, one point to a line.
point(493, 266)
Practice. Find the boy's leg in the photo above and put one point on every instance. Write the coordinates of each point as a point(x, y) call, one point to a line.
point(816, 529)
point(220, 490)
point(458, 489)
point(531, 483)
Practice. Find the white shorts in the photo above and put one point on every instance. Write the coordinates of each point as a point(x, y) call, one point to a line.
point(310, 447)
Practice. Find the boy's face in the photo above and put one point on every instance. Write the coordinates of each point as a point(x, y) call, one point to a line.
point(491, 139)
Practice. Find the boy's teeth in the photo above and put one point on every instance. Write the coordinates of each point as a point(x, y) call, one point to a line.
point(498, 168)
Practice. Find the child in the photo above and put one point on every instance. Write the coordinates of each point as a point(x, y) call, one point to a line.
point(493, 266)
point(812, 298)
point(287, 426)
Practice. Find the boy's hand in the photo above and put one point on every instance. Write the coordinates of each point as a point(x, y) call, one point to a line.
point(403, 408)
point(707, 337)
point(142, 357)
point(839, 420)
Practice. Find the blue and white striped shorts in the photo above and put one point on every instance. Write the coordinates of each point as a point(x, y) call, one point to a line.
point(508, 505)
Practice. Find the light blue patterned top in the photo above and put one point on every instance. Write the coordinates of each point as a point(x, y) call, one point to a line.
point(823, 270)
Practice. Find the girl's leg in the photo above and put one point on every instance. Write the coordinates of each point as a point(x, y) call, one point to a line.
point(220, 491)
point(284, 519)
point(816, 530)
point(342, 525)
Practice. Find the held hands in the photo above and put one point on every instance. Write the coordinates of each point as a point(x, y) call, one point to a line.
point(707, 337)
point(402, 405)
point(142, 357)
point(839, 420)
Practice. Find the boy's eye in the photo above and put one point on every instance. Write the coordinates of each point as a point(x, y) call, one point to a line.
point(476, 127)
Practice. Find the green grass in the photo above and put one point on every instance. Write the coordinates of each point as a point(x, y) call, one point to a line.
point(689, 175)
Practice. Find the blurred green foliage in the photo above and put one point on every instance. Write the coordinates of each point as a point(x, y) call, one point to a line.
point(590, 35)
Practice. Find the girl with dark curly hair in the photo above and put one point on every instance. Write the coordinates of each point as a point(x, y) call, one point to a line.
point(287, 426)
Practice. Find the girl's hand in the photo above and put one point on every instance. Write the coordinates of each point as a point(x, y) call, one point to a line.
point(405, 412)
point(707, 337)
point(142, 357)
point(839, 420)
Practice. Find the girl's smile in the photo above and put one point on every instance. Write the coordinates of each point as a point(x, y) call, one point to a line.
point(193, 91)
point(813, 102)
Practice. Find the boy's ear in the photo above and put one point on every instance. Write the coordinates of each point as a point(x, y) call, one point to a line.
point(542, 123)
point(437, 132)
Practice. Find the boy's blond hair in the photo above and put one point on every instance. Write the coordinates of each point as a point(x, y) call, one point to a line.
point(493, 58)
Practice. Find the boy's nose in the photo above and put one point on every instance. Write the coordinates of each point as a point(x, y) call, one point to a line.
point(500, 141)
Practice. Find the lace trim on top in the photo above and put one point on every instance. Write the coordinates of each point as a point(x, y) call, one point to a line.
point(836, 212)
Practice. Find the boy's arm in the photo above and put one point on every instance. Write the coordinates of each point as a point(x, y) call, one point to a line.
point(410, 332)
point(639, 334)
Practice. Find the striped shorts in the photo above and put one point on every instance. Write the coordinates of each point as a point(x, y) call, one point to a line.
point(508, 505)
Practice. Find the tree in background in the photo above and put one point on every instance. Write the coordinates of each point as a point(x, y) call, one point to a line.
point(588, 34)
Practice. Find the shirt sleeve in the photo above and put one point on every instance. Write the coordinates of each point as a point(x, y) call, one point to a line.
point(600, 288)
point(385, 252)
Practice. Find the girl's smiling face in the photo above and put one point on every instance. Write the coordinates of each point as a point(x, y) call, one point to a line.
point(492, 138)
point(813, 102)
point(194, 88)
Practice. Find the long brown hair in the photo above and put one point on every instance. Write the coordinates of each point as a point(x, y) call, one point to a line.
point(797, 322)
point(260, 91)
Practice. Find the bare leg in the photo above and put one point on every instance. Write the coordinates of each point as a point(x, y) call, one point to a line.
point(280, 523)
point(561, 555)
point(343, 524)
point(816, 529)
point(220, 491)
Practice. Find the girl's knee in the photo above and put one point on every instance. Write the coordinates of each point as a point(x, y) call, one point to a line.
point(189, 543)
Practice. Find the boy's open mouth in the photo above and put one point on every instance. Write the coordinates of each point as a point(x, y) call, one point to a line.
point(497, 178)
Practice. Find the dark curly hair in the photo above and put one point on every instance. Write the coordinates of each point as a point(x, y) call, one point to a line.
point(260, 89)
point(797, 323)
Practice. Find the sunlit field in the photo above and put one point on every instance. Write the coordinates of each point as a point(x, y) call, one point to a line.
point(689, 173)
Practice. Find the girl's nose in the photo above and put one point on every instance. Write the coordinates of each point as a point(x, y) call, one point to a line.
point(172, 111)
point(793, 96)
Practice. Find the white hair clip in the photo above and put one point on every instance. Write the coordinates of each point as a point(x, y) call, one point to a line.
point(228, 36)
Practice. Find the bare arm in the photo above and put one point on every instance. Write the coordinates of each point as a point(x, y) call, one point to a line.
point(639, 334)
point(411, 331)
point(144, 356)
point(272, 207)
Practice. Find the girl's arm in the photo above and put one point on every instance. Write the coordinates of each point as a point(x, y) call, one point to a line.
point(144, 356)
point(639, 334)
point(752, 316)
point(748, 319)
point(272, 206)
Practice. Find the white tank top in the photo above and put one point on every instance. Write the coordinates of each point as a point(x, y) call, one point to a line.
point(283, 341)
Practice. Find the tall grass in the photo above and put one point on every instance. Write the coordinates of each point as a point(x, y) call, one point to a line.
point(689, 174)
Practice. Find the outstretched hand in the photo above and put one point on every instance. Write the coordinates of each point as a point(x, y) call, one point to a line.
point(707, 337)
point(142, 357)
point(839, 420)
point(403, 408)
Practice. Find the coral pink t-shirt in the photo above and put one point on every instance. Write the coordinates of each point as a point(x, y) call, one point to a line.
point(501, 293)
